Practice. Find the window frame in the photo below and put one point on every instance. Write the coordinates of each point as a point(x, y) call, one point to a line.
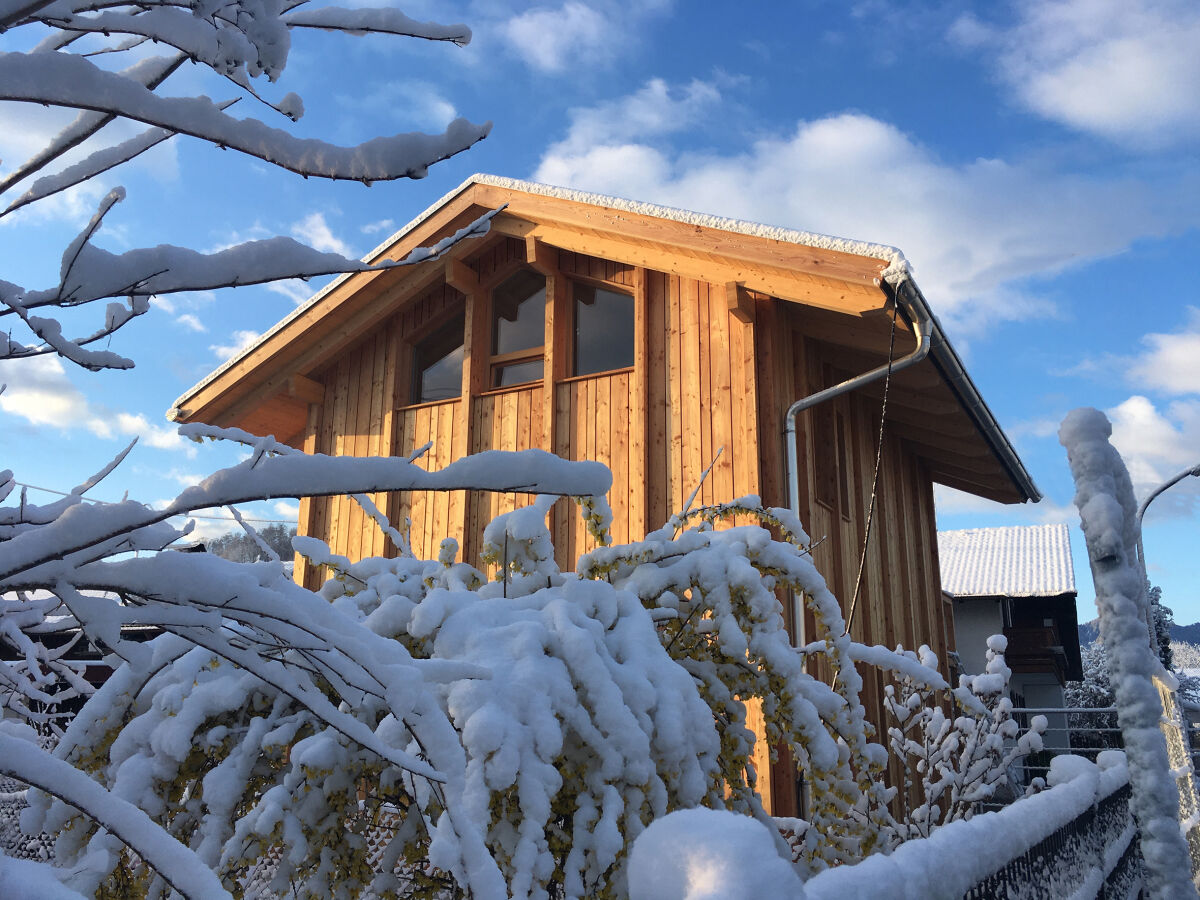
point(496, 362)
point(571, 349)
point(434, 330)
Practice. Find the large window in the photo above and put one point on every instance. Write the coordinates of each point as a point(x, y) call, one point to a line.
point(604, 329)
point(518, 329)
point(438, 364)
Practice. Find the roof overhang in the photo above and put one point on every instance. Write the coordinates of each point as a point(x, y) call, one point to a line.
point(267, 388)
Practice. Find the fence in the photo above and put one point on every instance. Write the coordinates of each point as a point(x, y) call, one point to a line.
point(1094, 854)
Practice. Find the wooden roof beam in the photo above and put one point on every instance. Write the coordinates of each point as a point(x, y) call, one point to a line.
point(540, 257)
point(343, 304)
point(739, 302)
point(305, 389)
point(563, 214)
point(460, 276)
point(838, 296)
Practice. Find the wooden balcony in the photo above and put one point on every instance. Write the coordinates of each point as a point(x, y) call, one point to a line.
point(1036, 650)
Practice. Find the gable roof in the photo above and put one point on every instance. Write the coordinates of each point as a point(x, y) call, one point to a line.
point(1015, 561)
point(835, 276)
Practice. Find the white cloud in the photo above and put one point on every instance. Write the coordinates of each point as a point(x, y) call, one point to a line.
point(314, 231)
point(191, 300)
point(286, 509)
point(184, 478)
point(161, 437)
point(653, 110)
point(1170, 362)
point(294, 289)
point(550, 39)
point(1126, 71)
point(949, 502)
point(975, 231)
point(240, 341)
point(418, 104)
point(387, 225)
point(1157, 443)
point(188, 320)
point(40, 392)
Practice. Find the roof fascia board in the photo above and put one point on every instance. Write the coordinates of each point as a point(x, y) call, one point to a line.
point(338, 296)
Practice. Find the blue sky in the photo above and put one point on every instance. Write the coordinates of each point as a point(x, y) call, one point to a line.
point(1036, 162)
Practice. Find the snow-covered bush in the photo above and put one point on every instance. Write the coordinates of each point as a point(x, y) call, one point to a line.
point(1092, 731)
point(957, 745)
point(583, 707)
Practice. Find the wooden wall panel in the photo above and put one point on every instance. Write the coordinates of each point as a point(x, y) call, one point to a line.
point(427, 516)
point(593, 425)
point(703, 407)
point(599, 269)
point(501, 420)
point(364, 414)
point(899, 598)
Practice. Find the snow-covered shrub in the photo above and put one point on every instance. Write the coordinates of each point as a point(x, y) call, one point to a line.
point(1092, 731)
point(714, 594)
point(572, 710)
point(957, 745)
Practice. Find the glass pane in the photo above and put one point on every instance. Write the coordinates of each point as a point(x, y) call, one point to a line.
point(439, 364)
point(603, 329)
point(518, 373)
point(519, 313)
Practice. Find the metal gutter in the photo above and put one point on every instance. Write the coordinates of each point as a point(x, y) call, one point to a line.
point(931, 341)
point(920, 321)
point(946, 359)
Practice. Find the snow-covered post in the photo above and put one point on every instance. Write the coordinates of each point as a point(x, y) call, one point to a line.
point(1107, 509)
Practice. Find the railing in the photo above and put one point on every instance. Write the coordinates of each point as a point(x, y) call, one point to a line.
point(1095, 854)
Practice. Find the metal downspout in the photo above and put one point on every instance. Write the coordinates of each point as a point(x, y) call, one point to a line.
point(922, 328)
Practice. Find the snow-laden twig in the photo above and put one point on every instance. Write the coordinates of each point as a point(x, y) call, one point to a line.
point(174, 862)
point(77, 83)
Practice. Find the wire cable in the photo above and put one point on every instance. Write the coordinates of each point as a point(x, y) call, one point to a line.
point(887, 383)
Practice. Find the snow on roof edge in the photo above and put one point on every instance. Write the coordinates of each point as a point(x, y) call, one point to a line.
point(897, 268)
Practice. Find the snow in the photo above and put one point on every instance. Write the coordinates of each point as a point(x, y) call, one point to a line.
point(387, 21)
point(700, 854)
point(705, 854)
point(72, 81)
point(1013, 561)
point(23, 879)
point(171, 859)
point(1104, 497)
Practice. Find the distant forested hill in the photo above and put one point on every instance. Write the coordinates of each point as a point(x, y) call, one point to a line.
point(1185, 641)
point(1185, 634)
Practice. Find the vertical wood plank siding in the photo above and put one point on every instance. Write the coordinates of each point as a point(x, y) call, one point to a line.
point(900, 597)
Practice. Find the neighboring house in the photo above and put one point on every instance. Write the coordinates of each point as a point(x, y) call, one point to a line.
point(1017, 581)
point(654, 340)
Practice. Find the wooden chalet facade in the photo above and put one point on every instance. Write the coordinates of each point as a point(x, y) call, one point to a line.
point(647, 339)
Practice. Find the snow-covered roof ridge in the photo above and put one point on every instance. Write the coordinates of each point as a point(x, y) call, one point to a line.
point(890, 255)
point(897, 265)
point(1011, 561)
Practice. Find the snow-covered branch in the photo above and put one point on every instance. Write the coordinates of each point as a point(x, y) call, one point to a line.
point(174, 862)
point(77, 83)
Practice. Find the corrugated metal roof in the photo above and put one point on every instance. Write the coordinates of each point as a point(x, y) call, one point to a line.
point(1016, 561)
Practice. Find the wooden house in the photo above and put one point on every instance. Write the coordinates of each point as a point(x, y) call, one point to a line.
point(652, 340)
